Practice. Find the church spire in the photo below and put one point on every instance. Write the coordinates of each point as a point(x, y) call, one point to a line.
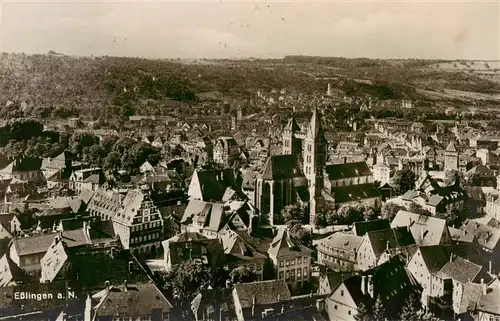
point(315, 130)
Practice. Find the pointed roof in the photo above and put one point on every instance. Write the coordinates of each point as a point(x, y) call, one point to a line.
point(315, 129)
point(292, 125)
point(451, 147)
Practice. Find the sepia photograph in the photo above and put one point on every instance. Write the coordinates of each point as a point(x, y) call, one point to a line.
point(245, 160)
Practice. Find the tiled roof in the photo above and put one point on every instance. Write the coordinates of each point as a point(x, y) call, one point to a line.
point(33, 244)
point(264, 292)
point(342, 240)
point(285, 245)
point(361, 228)
point(487, 236)
point(395, 238)
point(237, 249)
point(461, 270)
point(130, 205)
point(352, 193)
point(347, 170)
point(426, 230)
point(132, 300)
point(471, 295)
point(490, 302)
point(196, 249)
point(279, 167)
point(437, 256)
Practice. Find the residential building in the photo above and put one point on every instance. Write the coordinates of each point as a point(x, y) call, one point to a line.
point(488, 306)
point(426, 263)
point(390, 282)
point(89, 179)
point(26, 169)
point(378, 246)
point(226, 151)
point(361, 228)
point(240, 253)
point(192, 246)
point(426, 230)
point(292, 260)
point(212, 185)
point(138, 301)
point(339, 251)
point(272, 300)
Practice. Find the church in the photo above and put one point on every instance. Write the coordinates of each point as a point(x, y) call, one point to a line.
point(296, 176)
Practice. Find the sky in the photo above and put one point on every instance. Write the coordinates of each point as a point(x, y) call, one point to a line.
point(237, 29)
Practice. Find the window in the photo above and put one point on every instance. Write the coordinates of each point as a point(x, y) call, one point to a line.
point(292, 261)
point(305, 272)
point(336, 307)
point(299, 260)
point(281, 263)
point(280, 277)
point(299, 273)
point(166, 316)
point(259, 267)
point(287, 275)
point(145, 318)
point(342, 292)
point(287, 263)
point(349, 312)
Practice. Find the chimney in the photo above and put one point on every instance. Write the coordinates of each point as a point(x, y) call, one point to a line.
point(125, 285)
point(320, 304)
point(451, 257)
point(370, 285)
point(489, 267)
point(363, 284)
point(282, 308)
point(387, 245)
point(345, 159)
point(279, 297)
point(484, 287)
point(253, 306)
point(108, 285)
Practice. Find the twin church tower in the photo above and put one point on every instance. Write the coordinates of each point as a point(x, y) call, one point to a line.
point(298, 174)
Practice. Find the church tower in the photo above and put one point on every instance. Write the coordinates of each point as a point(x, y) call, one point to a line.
point(314, 157)
point(292, 145)
point(451, 158)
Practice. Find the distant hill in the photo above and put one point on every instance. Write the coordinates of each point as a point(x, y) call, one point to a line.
point(64, 86)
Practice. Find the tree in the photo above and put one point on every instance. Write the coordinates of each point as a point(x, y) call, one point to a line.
point(242, 275)
point(417, 209)
point(378, 310)
point(411, 309)
point(268, 272)
point(293, 214)
point(404, 180)
point(363, 313)
point(389, 210)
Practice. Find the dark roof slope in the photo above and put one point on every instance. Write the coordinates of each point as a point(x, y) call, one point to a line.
point(361, 228)
point(352, 193)
point(347, 170)
point(282, 167)
point(264, 292)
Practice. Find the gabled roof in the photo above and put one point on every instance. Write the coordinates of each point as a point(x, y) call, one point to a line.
point(279, 167)
point(426, 230)
point(132, 300)
point(437, 256)
point(342, 240)
point(361, 228)
point(238, 250)
point(491, 301)
point(208, 251)
point(487, 236)
point(461, 270)
point(394, 238)
point(315, 128)
point(264, 292)
point(347, 170)
point(130, 205)
point(451, 147)
point(285, 245)
point(352, 193)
